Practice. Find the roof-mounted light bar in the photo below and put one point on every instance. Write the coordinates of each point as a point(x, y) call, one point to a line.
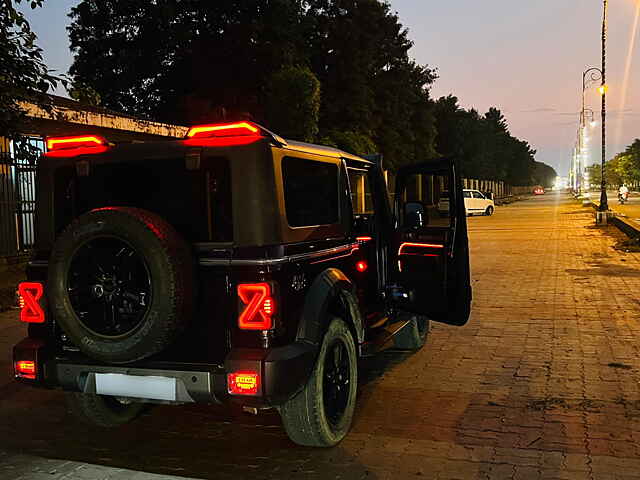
point(67, 143)
point(237, 129)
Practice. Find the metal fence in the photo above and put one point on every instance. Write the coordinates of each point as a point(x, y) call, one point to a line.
point(17, 205)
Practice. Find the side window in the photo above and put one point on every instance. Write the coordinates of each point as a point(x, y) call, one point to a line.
point(466, 194)
point(310, 192)
point(426, 201)
point(361, 196)
point(477, 195)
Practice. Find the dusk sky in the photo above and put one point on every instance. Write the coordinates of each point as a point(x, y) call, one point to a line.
point(525, 57)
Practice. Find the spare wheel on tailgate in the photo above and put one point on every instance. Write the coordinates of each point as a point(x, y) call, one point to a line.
point(121, 284)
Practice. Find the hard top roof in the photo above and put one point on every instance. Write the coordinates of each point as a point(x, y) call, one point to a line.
point(323, 150)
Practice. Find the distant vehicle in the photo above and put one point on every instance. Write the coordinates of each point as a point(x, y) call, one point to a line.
point(476, 202)
point(623, 197)
point(538, 190)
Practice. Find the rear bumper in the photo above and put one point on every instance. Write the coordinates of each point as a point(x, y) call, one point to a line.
point(283, 372)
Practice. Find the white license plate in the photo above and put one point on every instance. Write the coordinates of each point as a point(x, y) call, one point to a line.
point(119, 385)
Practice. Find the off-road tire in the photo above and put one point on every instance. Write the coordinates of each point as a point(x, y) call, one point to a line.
point(102, 411)
point(489, 211)
point(414, 335)
point(304, 416)
point(171, 270)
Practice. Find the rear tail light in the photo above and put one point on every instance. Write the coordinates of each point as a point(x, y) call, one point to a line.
point(75, 146)
point(238, 129)
point(29, 295)
point(77, 141)
point(25, 369)
point(243, 383)
point(258, 306)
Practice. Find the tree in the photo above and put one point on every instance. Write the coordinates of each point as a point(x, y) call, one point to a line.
point(544, 175)
point(183, 61)
point(293, 103)
point(371, 88)
point(623, 168)
point(23, 75)
point(187, 61)
point(483, 143)
point(595, 175)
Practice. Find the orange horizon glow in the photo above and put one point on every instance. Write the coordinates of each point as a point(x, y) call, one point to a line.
point(627, 73)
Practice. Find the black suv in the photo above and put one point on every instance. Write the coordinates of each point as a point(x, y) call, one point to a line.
point(233, 266)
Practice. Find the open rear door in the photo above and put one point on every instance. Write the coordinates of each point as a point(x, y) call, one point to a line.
point(430, 247)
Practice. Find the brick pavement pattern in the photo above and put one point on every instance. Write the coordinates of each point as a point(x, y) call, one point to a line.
point(541, 384)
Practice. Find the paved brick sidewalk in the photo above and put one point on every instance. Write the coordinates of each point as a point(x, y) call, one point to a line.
point(542, 384)
point(27, 467)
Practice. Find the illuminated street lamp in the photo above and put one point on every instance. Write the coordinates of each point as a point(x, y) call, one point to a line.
point(589, 76)
point(604, 204)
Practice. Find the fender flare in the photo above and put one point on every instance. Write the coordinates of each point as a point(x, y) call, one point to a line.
point(330, 285)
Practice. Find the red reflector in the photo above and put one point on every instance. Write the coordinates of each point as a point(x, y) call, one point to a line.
point(407, 246)
point(243, 383)
point(362, 266)
point(20, 301)
point(31, 311)
point(65, 143)
point(259, 306)
point(25, 369)
point(223, 130)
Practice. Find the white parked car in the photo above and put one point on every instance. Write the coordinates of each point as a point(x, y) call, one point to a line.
point(476, 203)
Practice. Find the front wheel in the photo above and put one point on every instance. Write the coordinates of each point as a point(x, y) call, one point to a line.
point(321, 414)
point(489, 211)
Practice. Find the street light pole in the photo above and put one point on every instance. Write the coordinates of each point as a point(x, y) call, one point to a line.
point(604, 204)
point(589, 76)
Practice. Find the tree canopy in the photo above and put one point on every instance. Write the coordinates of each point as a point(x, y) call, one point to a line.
point(623, 168)
point(485, 145)
point(331, 71)
point(23, 75)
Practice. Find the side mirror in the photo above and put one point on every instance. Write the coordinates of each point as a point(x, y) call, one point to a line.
point(414, 216)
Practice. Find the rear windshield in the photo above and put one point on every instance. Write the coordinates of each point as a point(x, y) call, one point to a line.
point(196, 202)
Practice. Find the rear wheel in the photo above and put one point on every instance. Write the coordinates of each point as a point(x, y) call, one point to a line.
point(321, 414)
point(489, 211)
point(102, 411)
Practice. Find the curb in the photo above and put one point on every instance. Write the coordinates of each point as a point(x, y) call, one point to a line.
point(629, 228)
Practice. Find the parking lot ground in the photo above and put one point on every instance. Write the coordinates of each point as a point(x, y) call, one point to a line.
point(541, 384)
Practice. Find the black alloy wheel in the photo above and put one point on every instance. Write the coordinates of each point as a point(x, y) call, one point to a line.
point(321, 414)
point(109, 286)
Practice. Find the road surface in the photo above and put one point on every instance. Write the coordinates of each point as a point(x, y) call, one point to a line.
point(543, 383)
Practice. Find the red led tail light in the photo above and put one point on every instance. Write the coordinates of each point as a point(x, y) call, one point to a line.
point(65, 143)
point(238, 129)
point(29, 295)
point(258, 306)
point(420, 249)
point(25, 369)
point(76, 145)
point(243, 383)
